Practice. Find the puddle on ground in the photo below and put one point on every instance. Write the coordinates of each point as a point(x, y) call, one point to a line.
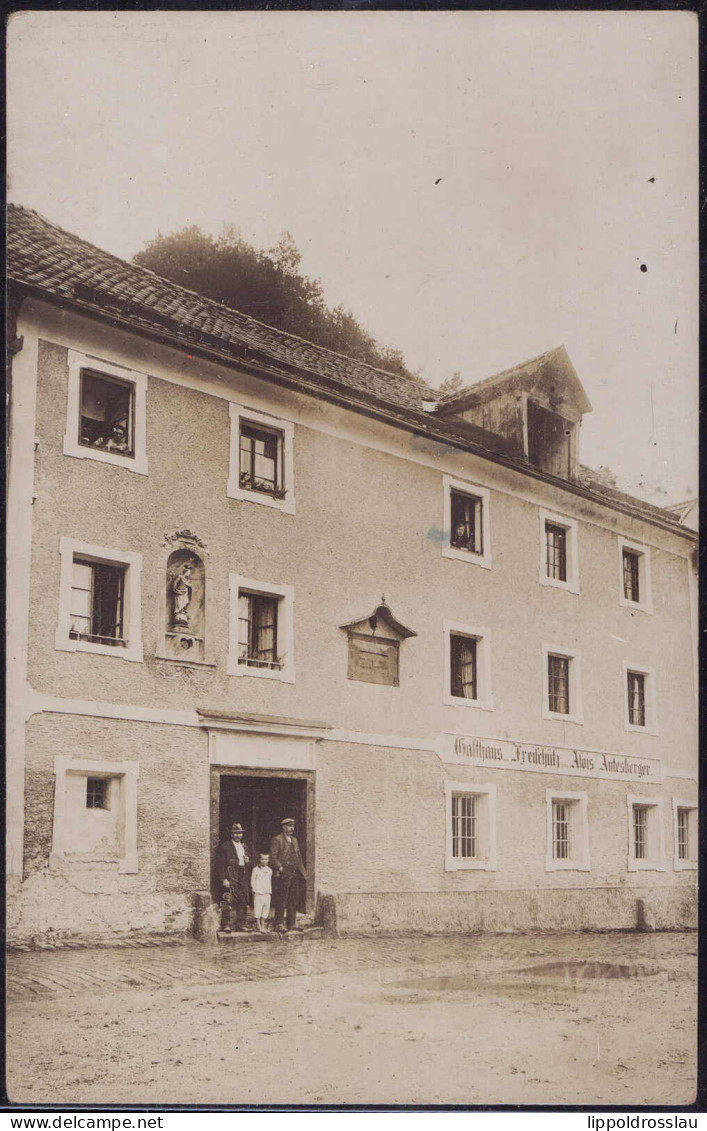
point(524, 981)
point(591, 970)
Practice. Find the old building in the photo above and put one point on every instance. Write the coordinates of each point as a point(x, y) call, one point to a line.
point(252, 578)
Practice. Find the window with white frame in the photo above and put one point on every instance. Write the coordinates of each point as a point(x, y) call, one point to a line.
point(467, 666)
point(261, 463)
point(567, 832)
point(471, 826)
point(685, 834)
point(95, 813)
point(559, 560)
point(106, 413)
point(261, 630)
point(635, 576)
point(99, 601)
point(562, 686)
point(646, 844)
point(466, 522)
point(639, 698)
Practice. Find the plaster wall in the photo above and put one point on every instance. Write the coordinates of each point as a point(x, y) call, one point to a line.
point(91, 896)
point(381, 826)
point(380, 842)
point(367, 523)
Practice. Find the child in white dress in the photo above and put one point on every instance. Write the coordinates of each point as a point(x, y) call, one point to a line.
point(261, 885)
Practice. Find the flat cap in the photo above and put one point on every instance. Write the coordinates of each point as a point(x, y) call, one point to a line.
point(287, 821)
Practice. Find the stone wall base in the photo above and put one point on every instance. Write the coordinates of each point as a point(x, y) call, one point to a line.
point(50, 910)
point(574, 909)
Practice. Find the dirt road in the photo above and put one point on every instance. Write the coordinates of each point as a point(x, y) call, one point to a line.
point(479, 1020)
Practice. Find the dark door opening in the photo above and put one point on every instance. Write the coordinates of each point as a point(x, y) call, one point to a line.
point(259, 802)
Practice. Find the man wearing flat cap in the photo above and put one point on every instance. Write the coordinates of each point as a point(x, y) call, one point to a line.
point(232, 872)
point(288, 872)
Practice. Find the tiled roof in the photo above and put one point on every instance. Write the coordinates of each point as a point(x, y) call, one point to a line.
point(44, 256)
point(57, 264)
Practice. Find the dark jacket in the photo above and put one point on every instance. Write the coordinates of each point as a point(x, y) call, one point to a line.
point(279, 851)
point(227, 866)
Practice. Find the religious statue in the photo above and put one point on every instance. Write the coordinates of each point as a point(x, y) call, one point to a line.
point(181, 594)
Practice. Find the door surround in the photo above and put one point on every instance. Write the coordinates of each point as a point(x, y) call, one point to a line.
point(247, 745)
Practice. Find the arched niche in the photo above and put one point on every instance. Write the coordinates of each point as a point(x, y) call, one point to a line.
point(186, 597)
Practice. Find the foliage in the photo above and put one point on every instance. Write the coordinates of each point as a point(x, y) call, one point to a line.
point(451, 385)
point(266, 285)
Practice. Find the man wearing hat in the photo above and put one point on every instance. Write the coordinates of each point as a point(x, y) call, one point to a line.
point(287, 868)
point(232, 870)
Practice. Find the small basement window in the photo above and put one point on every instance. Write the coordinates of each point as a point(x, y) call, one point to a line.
point(97, 603)
point(97, 793)
point(107, 414)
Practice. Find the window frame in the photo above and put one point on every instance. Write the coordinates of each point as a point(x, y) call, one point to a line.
point(576, 711)
point(474, 491)
point(78, 362)
point(645, 593)
point(128, 773)
point(655, 861)
point(482, 637)
point(690, 863)
point(92, 779)
point(570, 526)
point(578, 860)
point(284, 594)
point(486, 821)
point(240, 414)
point(649, 696)
point(69, 549)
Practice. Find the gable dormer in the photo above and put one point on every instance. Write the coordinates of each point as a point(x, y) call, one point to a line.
point(537, 406)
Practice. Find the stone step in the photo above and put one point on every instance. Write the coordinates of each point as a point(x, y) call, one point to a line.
point(240, 938)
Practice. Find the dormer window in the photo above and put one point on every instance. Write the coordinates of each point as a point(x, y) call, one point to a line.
point(550, 441)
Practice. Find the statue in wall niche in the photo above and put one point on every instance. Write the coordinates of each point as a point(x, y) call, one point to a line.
point(181, 596)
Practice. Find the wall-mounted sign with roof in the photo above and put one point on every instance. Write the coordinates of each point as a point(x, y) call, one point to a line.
point(374, 646)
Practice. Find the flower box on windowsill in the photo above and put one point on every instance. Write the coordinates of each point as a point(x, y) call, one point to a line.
point(247, 482)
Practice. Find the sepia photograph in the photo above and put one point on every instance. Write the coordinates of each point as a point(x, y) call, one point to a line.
point(352, 570)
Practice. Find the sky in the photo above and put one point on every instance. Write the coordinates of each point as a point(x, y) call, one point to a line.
point(476, 187)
